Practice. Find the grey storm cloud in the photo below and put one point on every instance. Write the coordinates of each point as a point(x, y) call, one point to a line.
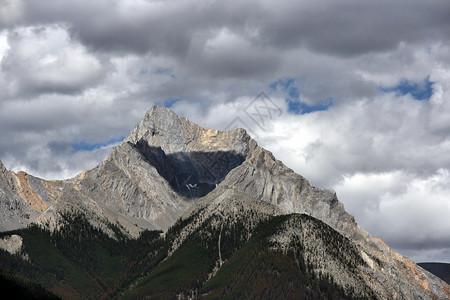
point(353, 27)
point(169, 27)
point(82, 71)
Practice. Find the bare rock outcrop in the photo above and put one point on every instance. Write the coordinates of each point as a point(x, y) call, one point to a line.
point(12, 243)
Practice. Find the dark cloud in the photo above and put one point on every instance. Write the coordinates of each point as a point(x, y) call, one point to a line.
point(343, 28)
point(352, 27)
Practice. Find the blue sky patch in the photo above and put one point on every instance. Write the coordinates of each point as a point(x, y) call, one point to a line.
point(301, 108)
point(421, 90)
point(164, 72)
point(83, 146)
point(288, 85)
point(292, 91)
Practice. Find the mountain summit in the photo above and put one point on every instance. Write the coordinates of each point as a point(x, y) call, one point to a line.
point(219, 192)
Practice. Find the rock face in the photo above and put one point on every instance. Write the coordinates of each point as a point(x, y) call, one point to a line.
point(23, 198)
point(170, 167)
point(12, 243)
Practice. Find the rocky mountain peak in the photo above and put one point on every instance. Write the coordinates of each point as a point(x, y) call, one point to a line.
point(161, 127)
point(192, 159)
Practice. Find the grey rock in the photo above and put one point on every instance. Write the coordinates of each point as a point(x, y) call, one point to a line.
point(12, 243)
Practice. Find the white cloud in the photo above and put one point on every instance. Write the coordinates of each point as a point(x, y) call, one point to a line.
point(407, 212)
point(43, 59)
point(4, 47)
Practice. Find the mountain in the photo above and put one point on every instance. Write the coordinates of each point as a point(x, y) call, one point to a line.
point(235, 222)
point(441, 270)
point(20, 289)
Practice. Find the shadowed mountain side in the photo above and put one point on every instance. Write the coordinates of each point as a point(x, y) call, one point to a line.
point(441, 270)
point(21, 289)
point(190, 174)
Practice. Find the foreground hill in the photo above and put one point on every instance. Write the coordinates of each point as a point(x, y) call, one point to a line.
point(441, 270)
point(236, 222)
point(254, 256)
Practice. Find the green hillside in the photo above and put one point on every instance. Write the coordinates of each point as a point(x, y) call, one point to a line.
point(81, 262)
point(250, 271)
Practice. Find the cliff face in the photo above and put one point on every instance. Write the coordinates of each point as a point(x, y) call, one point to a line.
point(170, 167)
point(23, 198)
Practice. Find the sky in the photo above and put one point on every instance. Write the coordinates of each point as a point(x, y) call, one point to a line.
point(352, 95)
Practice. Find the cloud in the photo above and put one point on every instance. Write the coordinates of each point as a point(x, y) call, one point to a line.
point(84, 73)
point(4, 47)
point(43, 60)
point(219, 57)
point(10, 11)
point(349, 28)
point(38, 136)
point(415, 210)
